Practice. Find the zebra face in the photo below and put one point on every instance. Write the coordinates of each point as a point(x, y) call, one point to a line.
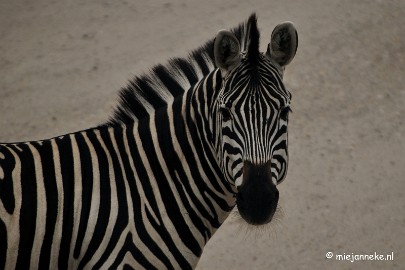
point(252, 117)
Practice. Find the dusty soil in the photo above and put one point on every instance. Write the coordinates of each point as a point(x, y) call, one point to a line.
point(62, 62)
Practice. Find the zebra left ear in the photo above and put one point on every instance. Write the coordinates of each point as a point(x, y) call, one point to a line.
point(283, 44)
point(226, 51)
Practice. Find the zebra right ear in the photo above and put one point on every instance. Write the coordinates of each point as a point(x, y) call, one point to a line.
point(226, 51)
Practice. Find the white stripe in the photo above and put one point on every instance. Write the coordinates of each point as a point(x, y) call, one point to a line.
point(77, 200)
point(158, 86)
point(41, 209)
point(12, 221)
point(57, 236)
point(196, 68)
point(181, 78)
point(208, 61)
point(129, 259)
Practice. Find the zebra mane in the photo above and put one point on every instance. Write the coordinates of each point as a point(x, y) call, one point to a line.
point(149, 92)
point(253, 42)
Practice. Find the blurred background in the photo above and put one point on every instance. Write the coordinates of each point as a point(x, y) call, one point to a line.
point(62, 63)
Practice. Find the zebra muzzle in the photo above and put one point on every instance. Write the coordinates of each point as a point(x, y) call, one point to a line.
point(257, 196)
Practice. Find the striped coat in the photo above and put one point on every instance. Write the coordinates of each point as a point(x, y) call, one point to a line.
point(147, 189)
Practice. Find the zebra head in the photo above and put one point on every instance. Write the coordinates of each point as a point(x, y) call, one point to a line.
point(251, 116)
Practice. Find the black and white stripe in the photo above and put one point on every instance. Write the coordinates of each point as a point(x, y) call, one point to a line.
point(150, 187)
point(258, 134)
point(111, 196)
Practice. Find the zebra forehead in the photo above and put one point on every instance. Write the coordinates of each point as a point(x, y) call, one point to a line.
point(272, 92)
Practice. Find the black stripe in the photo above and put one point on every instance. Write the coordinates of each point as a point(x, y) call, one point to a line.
point(87, 191)
point(131, 105)
point(187, 69)
point(28, 213)
point(67, 171)
point(150, 94)
point(128, 267)
point(51, 192)
point(6, 184)
point(169, 82)
point(201, 62)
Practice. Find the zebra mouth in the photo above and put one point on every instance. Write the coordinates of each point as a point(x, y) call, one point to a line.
point(257, 208)
point(257, 197)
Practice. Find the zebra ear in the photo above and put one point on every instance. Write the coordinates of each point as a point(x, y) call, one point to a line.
point(226, 51)
point(283, 44)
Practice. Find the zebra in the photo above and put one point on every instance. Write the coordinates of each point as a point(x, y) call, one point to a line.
point(149, 187)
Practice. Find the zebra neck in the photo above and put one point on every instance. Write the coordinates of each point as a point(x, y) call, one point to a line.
point(174, 162)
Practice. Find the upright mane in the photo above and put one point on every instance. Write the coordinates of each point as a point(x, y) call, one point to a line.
point(164, 83)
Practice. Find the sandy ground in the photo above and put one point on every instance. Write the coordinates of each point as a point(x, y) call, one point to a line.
point(62, 62)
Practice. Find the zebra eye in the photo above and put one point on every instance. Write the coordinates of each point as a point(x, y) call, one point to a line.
point(284, 113)
point(226, 114)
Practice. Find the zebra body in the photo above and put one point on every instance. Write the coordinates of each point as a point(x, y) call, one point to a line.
point(150, 187)
point(143, 196)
